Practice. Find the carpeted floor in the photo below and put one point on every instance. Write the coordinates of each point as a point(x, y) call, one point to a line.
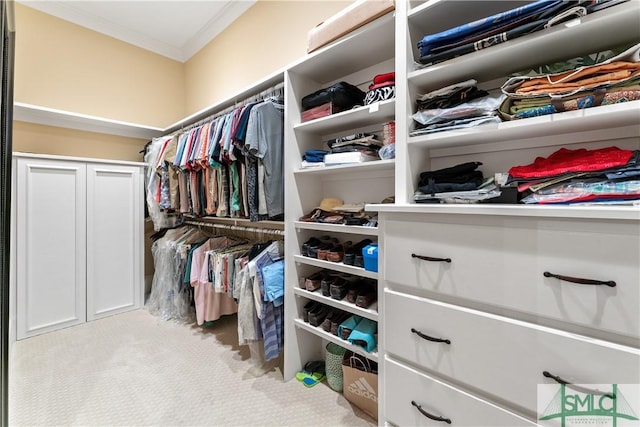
point(134, 369)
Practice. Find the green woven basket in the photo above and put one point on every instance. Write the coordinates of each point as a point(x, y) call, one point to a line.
point(333, 364)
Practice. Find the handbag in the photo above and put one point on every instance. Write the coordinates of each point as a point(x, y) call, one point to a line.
point(341, 95)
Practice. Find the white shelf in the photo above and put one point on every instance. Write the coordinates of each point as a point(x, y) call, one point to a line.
point(577, 37)
point(336, 228)
point(627, 213)
point(330, 337)
point(570, 122)
point(67, 119)
point(366, 115)
point(376, 165)
point(355, 51)
point(369, 313)
point(336, 266)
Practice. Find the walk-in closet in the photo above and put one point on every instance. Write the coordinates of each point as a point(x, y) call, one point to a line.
point(312, 213)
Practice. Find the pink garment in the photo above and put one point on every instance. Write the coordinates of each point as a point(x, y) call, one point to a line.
point(210, 305)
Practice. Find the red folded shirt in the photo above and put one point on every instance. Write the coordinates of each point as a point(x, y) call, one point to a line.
point(384, 78)
point(565, 160)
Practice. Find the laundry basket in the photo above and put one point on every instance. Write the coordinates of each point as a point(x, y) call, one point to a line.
point(333, 365)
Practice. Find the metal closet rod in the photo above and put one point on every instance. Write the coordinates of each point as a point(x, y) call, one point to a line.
point(236, 228)
point(277, 89)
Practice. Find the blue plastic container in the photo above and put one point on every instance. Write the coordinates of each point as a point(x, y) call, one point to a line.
point(370, 254)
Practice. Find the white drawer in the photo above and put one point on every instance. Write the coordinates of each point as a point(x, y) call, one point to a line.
point(504, 357)
point(405, 387)
point(501, 261)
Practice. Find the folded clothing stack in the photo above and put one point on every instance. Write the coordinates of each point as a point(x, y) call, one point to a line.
point(502, 27)
point(462, 183)
point(355, 148)
point(382, 88)
point(612, 81)
point(604, 176)
point(461, 105)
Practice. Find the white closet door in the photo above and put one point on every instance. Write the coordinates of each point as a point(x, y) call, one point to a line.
point(50, 246)
point(114, 239)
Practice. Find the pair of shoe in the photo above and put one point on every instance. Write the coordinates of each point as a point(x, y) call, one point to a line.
point(362, 293)
point(310, 247)
point(333, 317)
point(313, 282)
point(359, 331)
point(353, 255)
point(315, 313)
point(313, 373)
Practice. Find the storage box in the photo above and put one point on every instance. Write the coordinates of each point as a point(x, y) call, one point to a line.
point(370, 255)
point(354, 16)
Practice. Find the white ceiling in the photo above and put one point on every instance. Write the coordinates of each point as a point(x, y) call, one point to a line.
point(172, 28)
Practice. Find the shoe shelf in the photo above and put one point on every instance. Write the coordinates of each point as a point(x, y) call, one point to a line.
point(369, 313)
point(317, 330)
point(570, 39)
point(623, 116)
point(376, 165)
point(367, 115)
point(336, 266)
point(336, 228)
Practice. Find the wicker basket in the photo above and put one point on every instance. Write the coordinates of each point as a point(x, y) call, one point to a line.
point(333, 364)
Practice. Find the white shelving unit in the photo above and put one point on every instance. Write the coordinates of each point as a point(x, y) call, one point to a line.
point(355, 59)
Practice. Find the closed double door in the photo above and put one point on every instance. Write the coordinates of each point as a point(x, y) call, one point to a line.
point(78, 242)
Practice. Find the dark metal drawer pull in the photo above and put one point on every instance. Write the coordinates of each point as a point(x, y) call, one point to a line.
point(428, 415)
point(428, 338)
point(428, 258)
point(580, 281)
point(576, 387)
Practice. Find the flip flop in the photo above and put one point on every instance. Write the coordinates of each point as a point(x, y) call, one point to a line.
point(313, 379)
point(312, 373)
point(310, 368)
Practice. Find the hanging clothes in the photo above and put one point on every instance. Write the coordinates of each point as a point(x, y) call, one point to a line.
point(230, 166)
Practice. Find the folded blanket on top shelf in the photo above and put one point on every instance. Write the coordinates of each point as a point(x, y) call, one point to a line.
point(502, 27)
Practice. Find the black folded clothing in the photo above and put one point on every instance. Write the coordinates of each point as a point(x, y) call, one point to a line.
point(341, 94)
point(462, 177)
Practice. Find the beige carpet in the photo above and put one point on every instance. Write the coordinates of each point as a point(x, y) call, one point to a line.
point(134, 369)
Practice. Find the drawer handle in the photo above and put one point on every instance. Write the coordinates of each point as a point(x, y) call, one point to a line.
point(576, 387)
point(581, 281)
point(428, 415)
point(428, 258)
point(428, 338)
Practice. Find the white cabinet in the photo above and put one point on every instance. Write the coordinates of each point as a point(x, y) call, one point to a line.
point(51, 245)
point(78, 241)
point(114, 210)
point(474, 305)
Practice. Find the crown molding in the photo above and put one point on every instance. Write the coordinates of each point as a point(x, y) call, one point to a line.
point(231, 11)
point(216, 25)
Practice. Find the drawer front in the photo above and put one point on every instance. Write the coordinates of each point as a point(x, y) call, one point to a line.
point(504, 357)
point(405, 385)
point(501, 261)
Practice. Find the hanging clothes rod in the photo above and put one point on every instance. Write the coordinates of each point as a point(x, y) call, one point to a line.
point(275, 90)
point(236, 228)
